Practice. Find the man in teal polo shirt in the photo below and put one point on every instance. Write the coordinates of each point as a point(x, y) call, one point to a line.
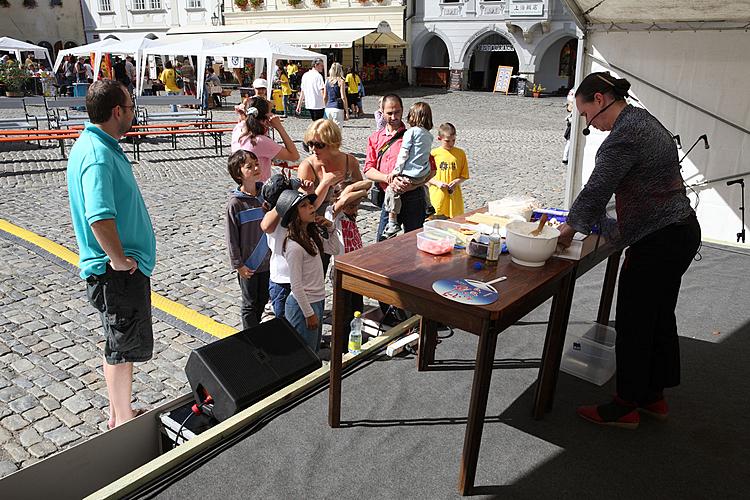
point(115, 240)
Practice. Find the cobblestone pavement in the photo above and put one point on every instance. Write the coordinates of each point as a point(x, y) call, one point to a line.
point(52, 392)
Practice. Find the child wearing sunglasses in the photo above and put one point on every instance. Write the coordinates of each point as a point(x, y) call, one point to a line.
point(302, 248)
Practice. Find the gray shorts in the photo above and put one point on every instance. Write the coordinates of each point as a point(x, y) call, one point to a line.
point(124, 304)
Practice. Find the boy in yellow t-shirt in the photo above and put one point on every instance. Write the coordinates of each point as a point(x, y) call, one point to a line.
point(452, 170)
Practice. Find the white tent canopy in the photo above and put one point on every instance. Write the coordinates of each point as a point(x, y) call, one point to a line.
point(198, 47)
point(687, 62)
point(133, 47)
point(83, 50)
point(17, 46)
point(270, 51)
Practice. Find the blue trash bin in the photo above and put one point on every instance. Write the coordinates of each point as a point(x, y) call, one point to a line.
point(79, 90)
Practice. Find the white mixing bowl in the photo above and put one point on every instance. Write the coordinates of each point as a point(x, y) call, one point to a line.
point(527, 250)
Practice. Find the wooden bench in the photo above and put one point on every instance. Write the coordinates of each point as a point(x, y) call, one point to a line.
point(145, 116)
point(173, 130)
point(58, 112)
point(21, 122)
point(215, 133)
point(10, 136)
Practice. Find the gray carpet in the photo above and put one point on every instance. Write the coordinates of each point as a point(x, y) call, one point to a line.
point(404, 430)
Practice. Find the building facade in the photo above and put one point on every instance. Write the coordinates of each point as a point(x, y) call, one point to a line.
point(137, 18)
point(53, 24)
point(368, 34)
point(461, 43)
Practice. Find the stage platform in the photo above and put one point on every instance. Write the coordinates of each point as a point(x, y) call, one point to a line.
point(403, 429)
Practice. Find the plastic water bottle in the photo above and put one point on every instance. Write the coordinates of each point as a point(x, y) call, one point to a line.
point(355, 335)
point(495, 244)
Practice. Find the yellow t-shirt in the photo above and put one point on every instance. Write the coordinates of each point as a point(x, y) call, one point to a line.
point(169, 79)
point(352, 83)
point(285, 88)
point(291, 69)
point(451, 164)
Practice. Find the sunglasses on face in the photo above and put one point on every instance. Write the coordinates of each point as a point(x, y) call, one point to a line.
point(316, 145)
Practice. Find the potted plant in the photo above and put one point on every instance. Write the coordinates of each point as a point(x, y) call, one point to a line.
point(295, 3)
point(14, 79)
point(256, 4)
point(242, 4)
point(319, 3)
point(537, 90)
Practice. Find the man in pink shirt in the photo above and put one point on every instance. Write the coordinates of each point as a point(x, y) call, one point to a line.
point(382, 150)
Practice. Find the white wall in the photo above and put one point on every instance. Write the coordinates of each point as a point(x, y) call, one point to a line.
point(43, 23)
point(547, 73)
point(124, 21)
point(706, 68)
point(460, 25)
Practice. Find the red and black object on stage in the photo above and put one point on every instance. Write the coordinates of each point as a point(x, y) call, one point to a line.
point(246, 367)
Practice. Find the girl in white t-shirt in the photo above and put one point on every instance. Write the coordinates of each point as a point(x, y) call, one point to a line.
point(250, 135)
point(309, 235)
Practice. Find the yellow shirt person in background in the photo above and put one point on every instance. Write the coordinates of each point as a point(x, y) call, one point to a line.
point(452, 170)
point(291, 69)
point(169, 78)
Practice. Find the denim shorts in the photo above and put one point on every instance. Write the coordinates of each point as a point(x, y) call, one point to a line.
point(124, 304)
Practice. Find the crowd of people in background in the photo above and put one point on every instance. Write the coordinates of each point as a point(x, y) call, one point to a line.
point(282, 232)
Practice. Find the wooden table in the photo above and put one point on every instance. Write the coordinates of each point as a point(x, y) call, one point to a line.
point(396, 272)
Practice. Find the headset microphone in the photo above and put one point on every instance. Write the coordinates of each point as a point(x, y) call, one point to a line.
point(586, 130)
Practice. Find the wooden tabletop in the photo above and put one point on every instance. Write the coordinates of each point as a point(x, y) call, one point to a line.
point(397, 264)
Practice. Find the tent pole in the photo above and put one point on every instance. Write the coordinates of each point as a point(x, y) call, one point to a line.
point(572, 176)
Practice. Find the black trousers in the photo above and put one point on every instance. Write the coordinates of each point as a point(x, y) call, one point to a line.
point(254, 298)
point(316, 114)
point(647, 347)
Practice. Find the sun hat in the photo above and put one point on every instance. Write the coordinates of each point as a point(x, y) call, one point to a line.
point(287, 204)
point(260, 83)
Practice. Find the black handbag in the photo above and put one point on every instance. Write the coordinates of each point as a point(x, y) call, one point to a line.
point(377, 195)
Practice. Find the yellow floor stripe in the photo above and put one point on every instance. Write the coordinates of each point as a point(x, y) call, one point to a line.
point(184, 314)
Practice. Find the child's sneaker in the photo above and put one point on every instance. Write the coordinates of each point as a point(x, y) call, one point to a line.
point(391, 230)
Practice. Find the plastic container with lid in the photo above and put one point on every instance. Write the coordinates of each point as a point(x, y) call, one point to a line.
point(435, 241)
point(589, 353)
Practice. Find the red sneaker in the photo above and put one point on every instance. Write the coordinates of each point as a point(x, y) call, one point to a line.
point(658, 409)
point(615, 414)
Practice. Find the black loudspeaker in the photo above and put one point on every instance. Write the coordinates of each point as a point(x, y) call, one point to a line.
point(246, 367)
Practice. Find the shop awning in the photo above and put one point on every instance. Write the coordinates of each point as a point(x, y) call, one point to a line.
point(226, 38)
point(296, 35)
point(337, 39)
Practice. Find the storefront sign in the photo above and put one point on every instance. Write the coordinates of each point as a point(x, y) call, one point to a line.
point(502, 79)
point(495, 47)
point(526, 9)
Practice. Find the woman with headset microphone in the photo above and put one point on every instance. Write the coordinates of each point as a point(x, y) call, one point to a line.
point(638, 163)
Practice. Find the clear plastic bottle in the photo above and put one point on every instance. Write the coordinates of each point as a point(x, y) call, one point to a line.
point(355, 335)
point(495, 244)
